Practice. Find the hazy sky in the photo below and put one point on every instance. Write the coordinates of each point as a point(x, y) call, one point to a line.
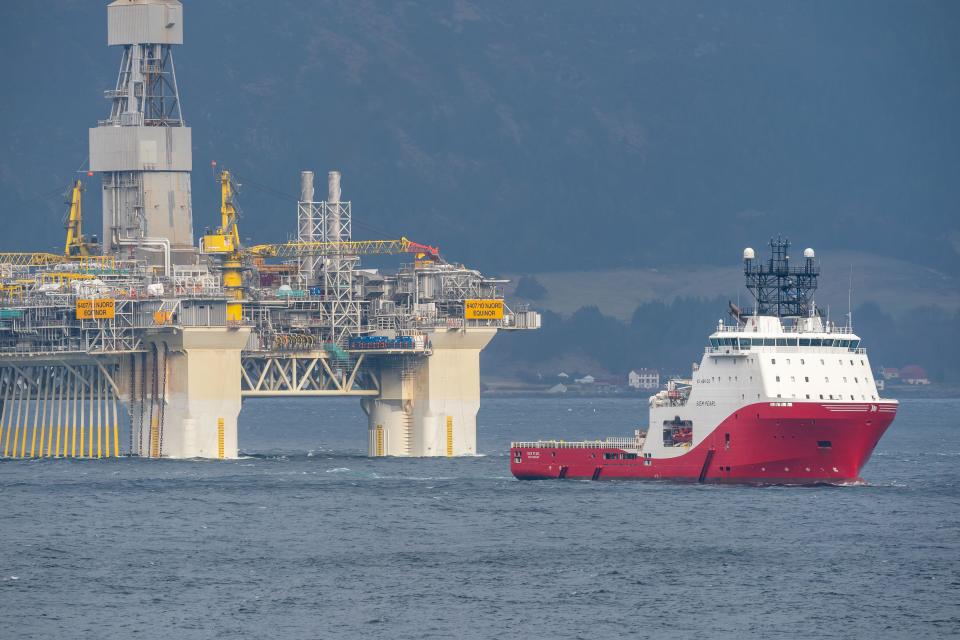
point(530, 136)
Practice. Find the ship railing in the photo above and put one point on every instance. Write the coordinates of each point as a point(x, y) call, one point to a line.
point(791, 329)
point(617, 443)
point(730, 349)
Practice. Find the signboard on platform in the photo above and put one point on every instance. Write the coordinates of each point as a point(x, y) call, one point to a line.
point(97, 309)
point(483, 309)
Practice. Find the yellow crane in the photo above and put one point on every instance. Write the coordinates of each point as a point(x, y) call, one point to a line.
point(225, 243)
point(76, 245)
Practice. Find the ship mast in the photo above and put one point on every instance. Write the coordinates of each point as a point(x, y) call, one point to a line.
point(779, 289)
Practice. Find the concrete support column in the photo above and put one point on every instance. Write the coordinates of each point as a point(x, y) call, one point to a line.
point(196, 372)
point(428, 406)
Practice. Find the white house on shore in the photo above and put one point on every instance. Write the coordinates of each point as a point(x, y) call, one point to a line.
point(644, 379)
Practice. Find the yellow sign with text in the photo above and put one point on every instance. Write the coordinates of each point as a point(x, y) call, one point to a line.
point(98, 309)
point(483, 309)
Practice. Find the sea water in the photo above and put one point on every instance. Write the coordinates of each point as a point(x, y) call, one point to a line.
point(305, 537)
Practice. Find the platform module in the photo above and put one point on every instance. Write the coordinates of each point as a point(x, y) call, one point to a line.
point(146, 341)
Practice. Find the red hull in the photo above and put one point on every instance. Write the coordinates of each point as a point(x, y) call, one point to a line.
point(790, 443)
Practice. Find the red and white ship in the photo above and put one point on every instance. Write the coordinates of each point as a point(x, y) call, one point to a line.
point(781, 395)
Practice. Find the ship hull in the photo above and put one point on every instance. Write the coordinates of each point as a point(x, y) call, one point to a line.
point(763, 443)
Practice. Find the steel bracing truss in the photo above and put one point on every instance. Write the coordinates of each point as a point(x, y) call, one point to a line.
point(306, 374)
point(146, 91)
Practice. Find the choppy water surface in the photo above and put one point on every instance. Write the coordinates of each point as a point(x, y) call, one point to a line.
point(307, 538)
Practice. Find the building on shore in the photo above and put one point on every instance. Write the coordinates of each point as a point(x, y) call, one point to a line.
point(644, 379)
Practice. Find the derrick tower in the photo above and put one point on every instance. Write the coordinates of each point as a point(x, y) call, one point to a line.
point(143, 149)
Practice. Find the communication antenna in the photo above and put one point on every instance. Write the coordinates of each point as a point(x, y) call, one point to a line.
point(850, 300)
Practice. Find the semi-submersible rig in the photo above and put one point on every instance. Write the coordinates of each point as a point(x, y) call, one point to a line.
point(149, 329)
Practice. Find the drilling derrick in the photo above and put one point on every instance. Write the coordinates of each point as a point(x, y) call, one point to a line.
point(143, 149)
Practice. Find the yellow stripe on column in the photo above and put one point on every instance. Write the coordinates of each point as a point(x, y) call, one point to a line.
point(26, 421)
point(100, 417)
point(6, 411)
point(90, 423)
point(116, 438)
point(220, 438)
point(155, 438)
point(73, 421)
point(60, 391)
point(449, 436)
point(43, 416)
point(15, 421)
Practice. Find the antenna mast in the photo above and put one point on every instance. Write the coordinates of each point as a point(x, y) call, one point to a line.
point(850, 301)
point(780, 289)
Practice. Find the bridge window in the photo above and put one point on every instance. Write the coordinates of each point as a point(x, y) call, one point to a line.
point(769, 342)
point(781, 342)
point(804, 342)
point(824, 444)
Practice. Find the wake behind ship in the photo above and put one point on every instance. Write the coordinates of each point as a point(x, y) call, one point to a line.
point(781, 395)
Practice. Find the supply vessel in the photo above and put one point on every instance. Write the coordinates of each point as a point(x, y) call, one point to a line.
point(782, 395)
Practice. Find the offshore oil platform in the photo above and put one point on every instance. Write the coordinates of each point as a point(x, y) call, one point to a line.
point(145, 343)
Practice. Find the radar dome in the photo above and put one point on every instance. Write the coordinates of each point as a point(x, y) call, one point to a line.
point(748, 254)
point(808, 253)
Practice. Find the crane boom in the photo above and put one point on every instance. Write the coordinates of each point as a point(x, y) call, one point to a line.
point(353, 248)
point(31, 259)
point(76, 244)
